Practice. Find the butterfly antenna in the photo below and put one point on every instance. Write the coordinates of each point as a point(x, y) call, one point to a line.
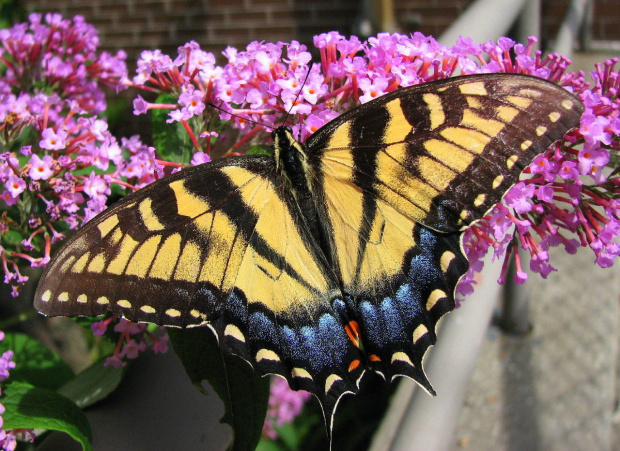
point(212, 105)
point(303, 83)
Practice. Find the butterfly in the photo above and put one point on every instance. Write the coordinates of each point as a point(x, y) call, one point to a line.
point(326, 259)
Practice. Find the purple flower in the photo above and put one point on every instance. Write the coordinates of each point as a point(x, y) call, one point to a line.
point(284, 405)
point(53, 140)
point(114, 361)
point(592, 158)
point(129, 327)
point(96, 187)
point(6, 364)
point(140, 106)
point(191, 101)
point(132, 349)
point(7, 438)
point(519, 197)
point(41, 169)
point(15, 185)
point(595, 129)
point(568, 170)
point(152, 62)
point(200, 158)
point(544, 193)
point(99, 328)
point(545, 167)
point(372, 89)
point(160, 345)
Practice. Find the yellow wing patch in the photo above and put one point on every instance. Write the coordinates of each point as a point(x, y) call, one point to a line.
point(390, 238)
point(365, 264)
point(267, 280)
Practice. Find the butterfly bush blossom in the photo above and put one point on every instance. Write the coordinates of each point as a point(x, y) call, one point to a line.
point(58, 160)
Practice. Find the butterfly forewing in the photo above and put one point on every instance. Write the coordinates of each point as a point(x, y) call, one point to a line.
point(171, 253)
point(444, 153)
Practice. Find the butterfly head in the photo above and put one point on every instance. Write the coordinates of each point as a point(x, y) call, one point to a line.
point(290, 155)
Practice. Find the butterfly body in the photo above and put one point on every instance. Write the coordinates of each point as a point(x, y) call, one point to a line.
point(329, 258)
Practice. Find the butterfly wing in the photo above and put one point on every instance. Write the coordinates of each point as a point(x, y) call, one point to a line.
point(222, 245)
point(399, 178)
point(445, 152)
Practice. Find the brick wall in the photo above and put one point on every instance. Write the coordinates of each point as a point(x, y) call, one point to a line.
point(431, 17)
point(606, 20)
point(553, 13)
point(134, 25)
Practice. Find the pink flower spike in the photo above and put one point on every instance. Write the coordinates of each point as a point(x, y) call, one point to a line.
point(114, 361)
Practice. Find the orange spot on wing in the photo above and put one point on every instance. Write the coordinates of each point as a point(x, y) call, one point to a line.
point(353, 365)
point(353, 331)
point(374, 358)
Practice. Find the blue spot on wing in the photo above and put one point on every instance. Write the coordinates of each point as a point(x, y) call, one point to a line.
point(388, 318)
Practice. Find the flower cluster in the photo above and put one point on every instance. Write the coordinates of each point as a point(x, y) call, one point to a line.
point(284, 405)
point(58, 160)
point(134, 338)
point(8, 439)
point(571, 196)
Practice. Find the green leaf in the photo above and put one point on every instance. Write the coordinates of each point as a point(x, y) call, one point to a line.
point(270, 445)
point(93, 384)
point(244, 393)
point(171, 139)
point(29, 407)
point(260, 150)
point(12, 238)
point(35, 363)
